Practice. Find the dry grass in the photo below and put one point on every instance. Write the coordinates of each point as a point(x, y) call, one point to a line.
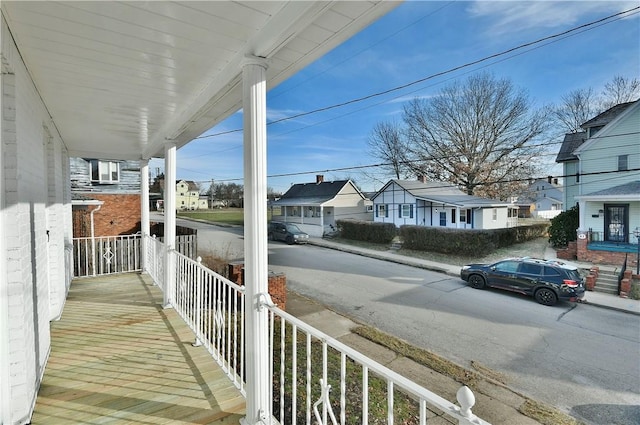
point(546, 415)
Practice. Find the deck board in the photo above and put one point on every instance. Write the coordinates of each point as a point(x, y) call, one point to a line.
point(118, 357)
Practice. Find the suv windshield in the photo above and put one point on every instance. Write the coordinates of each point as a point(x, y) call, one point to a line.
point(293, 228)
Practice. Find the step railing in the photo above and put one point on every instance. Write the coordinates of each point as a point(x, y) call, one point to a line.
point(314, 377)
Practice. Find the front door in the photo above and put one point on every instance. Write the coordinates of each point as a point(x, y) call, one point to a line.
point(616, 222)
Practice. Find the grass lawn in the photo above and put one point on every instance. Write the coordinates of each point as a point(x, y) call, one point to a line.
point(224, 215)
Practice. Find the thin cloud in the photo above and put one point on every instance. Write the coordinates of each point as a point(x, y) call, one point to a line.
point(517, 17)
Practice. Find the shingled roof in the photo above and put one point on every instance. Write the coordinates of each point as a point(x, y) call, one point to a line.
point(570, 143)
point(607, 116)
point(312, 193)
point(443, 192)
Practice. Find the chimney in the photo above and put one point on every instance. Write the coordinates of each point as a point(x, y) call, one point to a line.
point(422, 178)
point(319, 178)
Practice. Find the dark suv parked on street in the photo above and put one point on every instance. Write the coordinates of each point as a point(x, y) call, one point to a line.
point(546, 280)
point(290, 233)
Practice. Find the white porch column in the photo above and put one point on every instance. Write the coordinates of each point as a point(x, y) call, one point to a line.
point(322, 220)
point(457, 217)
point(254, 105)
point(169, 220)
point(582, 211)
point(144, 210)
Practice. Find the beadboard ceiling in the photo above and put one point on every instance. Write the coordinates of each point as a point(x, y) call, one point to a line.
point(121, 78)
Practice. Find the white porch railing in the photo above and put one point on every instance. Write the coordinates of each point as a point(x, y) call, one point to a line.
point(155, 260)
point(213, 307)
point(305, 364)
point(106, 255)
point(315, 374)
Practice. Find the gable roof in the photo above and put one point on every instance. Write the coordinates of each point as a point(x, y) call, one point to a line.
point(607, 116)
point(570, 143)
point(624, 112)
point(442, 192)
point(314, 193)
point(191, 185)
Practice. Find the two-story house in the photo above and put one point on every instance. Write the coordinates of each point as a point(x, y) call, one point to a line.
point(105, 197)
point(188, 196)
point(541, 199)
point(602, 166)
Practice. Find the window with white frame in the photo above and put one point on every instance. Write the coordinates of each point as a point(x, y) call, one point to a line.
point(463, 216)
point(495, 214)
point(106, 172)
point(623, 162)
point(406, 211)
point(382, 210)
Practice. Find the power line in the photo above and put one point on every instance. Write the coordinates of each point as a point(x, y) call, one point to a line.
point(625, 13)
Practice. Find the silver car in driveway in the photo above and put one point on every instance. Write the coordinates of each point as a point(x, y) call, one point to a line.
point(287, 232)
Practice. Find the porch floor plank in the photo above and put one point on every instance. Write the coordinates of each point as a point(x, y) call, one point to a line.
point(118, 357)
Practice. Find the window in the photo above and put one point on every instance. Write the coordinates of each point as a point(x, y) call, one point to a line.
point(623, 162)
point(495, 214)
point(382, 210)
point(369, 208)
point(529, 268)
point(463, 216)
point(105, 171)
point(406, 211)
point(507, 266)
point(443, 218)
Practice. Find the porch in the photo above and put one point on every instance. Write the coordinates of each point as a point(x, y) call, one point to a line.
point(138, 348)
point(118, 356)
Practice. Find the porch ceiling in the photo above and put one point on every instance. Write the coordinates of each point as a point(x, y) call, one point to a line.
point(120, 78)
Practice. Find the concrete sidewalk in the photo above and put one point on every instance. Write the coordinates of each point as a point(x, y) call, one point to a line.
point(592, 298)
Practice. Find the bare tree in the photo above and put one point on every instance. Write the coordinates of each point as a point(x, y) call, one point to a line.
point(387, 143)
point(475, 134)
point(576, 108)
point(620, 90)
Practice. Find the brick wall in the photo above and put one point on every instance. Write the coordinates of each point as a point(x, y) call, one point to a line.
point(119, 215)
point(277, 283)
point(604, 257)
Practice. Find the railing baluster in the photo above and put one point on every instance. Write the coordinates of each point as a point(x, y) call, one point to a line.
point(294, 372)
point(308, 378)
point(283, 326)
point(365, 395)
point(389, 401)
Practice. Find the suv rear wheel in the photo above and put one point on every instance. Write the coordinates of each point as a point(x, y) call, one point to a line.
point(546, 296)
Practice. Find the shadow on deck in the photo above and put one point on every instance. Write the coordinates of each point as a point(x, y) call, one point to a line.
point(118, 357)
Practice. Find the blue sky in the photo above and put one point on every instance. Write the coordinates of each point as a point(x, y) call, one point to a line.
point(416, 40)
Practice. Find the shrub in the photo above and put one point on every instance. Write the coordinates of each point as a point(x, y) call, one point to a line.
point(367, 231)
point(564, 228)
point(468, 242)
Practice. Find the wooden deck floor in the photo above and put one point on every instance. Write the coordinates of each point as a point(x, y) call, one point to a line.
point(117, 357)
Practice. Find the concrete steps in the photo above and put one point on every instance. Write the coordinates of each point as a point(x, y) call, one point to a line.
point(607, 282)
